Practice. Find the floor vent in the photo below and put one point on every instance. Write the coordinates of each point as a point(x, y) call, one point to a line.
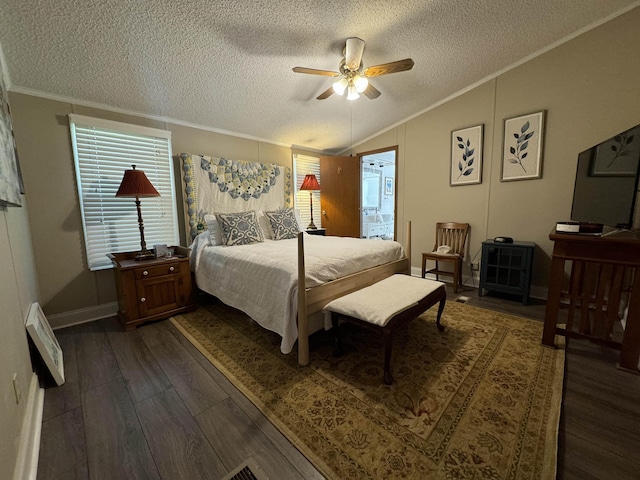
point(462, 299)
point(247, 471)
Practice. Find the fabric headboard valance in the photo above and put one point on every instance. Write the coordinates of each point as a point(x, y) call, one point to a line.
point(221, 185)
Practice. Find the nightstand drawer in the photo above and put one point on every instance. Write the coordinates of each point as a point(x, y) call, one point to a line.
point(157, 270)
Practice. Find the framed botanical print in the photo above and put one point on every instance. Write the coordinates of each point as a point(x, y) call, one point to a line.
point(466, 156)
point(523, 145)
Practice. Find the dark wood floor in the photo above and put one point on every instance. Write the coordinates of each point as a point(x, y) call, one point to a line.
point(147, 404)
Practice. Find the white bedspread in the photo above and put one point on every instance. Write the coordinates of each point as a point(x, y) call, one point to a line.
point(261, 279)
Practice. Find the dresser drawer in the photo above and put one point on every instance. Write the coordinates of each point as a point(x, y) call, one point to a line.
point(157, 270)
point(375, 230)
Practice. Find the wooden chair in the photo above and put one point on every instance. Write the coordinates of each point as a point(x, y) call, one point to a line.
point(453, 235)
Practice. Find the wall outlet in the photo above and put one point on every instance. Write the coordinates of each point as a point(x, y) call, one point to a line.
point(475, 266)
point(16, 388)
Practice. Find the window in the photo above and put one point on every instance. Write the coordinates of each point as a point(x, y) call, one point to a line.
point(102, 151)
point(305, 165)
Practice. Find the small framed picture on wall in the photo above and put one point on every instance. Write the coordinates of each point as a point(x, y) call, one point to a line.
point(466, 156)
point(388, 185)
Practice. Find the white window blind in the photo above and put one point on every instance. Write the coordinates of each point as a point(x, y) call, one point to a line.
point(305, 165)
point(102, 151)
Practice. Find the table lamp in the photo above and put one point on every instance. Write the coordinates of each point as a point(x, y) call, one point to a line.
point(310, 183)
point(136, 184)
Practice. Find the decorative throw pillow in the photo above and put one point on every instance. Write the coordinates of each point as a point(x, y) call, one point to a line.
point(283, 223)
point(240, 228)
point(214, 229)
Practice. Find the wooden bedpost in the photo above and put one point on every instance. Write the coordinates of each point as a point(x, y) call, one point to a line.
point(303, 324)
point(408, 246)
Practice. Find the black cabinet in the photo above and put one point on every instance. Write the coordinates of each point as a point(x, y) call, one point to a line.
point(506, 267)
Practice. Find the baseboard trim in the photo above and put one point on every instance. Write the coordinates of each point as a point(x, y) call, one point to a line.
point(536, 291)
point(29, 449)
point(83, 315)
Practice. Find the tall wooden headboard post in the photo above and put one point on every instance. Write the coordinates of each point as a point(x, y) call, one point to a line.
point(407, 247)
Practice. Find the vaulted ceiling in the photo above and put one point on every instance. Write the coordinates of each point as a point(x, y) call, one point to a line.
point(226, 65)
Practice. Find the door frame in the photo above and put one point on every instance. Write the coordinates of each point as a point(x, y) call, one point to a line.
point(393, 148)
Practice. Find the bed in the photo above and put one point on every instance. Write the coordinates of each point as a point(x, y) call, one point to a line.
point(279, 283)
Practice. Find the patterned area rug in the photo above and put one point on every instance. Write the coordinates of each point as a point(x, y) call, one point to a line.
point(478, 401)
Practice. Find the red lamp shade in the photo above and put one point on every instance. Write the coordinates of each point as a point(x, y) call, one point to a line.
point(310, 182)
point(136, 184)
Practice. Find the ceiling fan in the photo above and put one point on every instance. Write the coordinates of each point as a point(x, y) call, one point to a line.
point(354, 78)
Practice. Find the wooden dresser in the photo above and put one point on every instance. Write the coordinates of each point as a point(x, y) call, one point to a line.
point(151, 289)
point(593, 279)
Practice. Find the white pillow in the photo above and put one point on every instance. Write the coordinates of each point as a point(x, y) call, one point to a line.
point(214, 229)
point(263, 221)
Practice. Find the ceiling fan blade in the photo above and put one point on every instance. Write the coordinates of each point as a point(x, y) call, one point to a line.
point(386, 68)
point(326, 94)
point(353, 53)
point(372, 92)
point(313, 71)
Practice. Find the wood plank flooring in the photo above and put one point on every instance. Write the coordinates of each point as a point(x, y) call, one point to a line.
point(147, 404)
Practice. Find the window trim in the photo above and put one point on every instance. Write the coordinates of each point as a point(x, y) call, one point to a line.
point(76, 120)
point(317, 195)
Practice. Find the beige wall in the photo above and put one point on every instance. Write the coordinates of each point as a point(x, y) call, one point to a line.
point(42, 133)
point(589, 88)
point(18, 290)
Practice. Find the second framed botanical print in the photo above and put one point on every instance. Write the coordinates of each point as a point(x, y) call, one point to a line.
point(466, 156)
point(523, 143)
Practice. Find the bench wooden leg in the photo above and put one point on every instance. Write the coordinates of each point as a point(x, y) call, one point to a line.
point(338, 335)
point(388, 343)
point(443, 300)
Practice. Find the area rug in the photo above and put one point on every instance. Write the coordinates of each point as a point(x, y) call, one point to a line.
point(478, 401)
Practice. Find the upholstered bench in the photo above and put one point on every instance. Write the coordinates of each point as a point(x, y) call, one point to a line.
point(385, 306)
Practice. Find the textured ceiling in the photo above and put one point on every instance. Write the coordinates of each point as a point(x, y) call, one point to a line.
point(226, 65)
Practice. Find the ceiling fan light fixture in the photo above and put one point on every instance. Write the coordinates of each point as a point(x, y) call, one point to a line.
point(361, 83)
point(352, 77)
point(340, 86)
point(352, 93)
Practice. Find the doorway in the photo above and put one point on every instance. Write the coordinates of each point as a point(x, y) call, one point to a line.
point(378, 174)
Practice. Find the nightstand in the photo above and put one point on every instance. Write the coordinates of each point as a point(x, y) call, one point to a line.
point(506, 267)
point(151, 289)
point(317, 231)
